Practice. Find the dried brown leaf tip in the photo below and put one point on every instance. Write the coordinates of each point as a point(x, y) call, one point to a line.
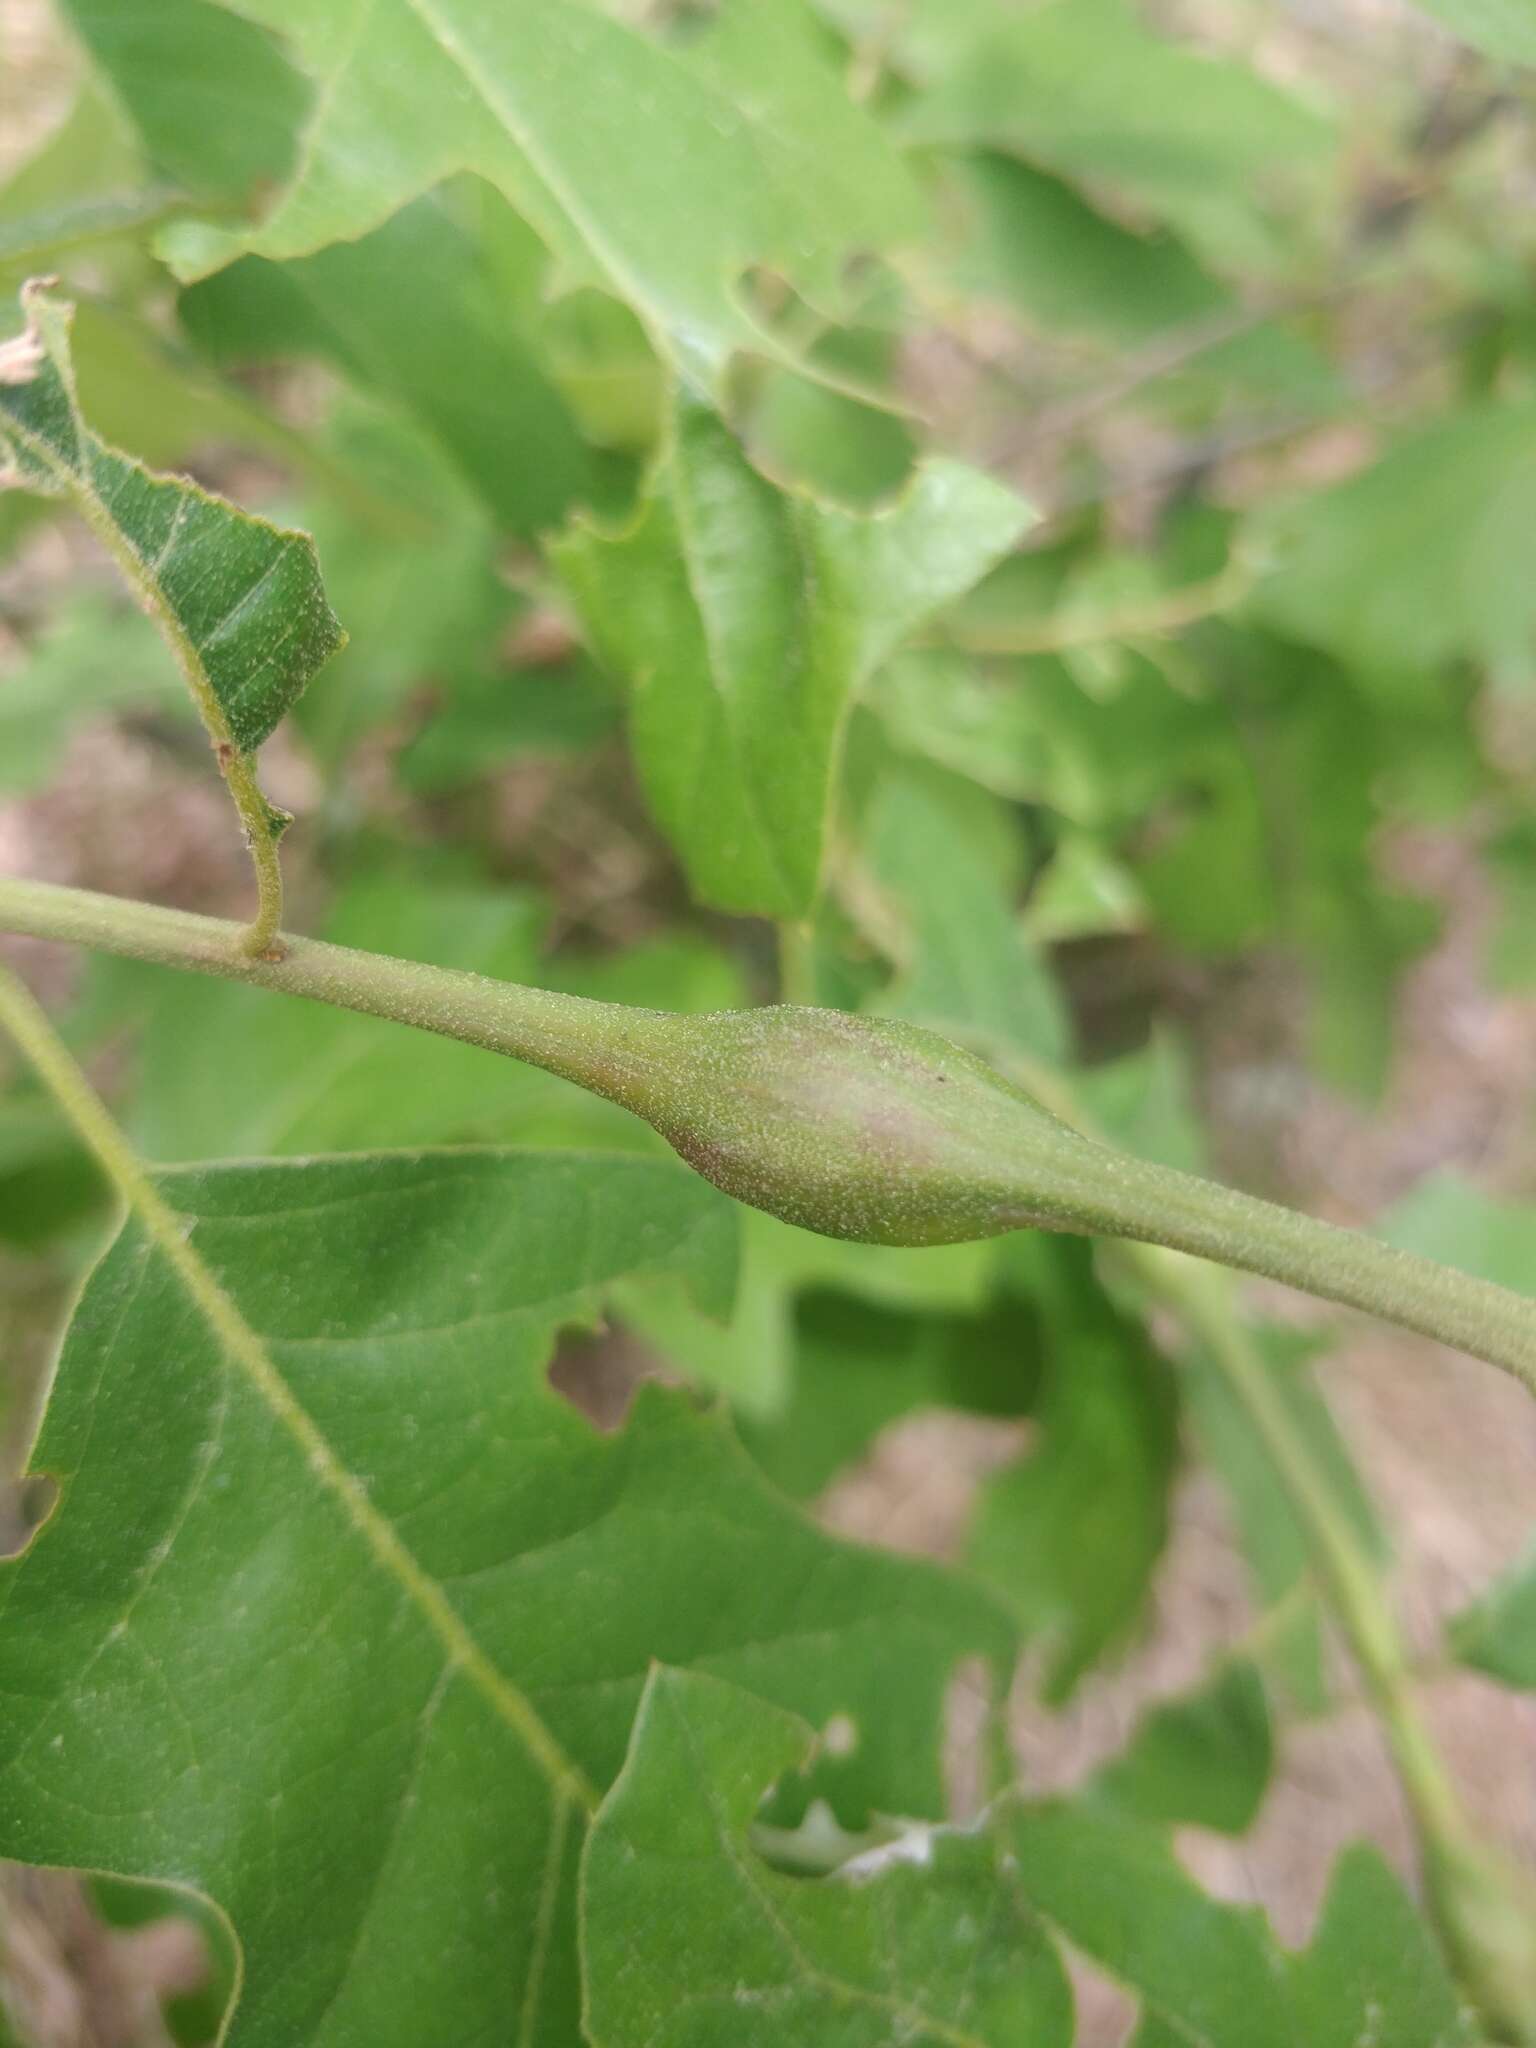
point(22, 356)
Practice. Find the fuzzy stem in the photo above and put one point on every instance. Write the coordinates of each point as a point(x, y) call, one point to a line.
point(1071, 1182)
point(1159, 1206)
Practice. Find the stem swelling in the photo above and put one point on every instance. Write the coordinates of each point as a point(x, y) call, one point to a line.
point(809, 1065)
point(832, 1122)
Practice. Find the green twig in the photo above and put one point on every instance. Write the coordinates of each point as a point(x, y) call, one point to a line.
point(665, 1068)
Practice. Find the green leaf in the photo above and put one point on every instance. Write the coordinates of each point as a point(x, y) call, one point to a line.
point(1510, 855)
point(662, 170)
point(743, 618)
point(192, 2017)
point(89, 657)
point(1444, 1217)
point(1143, 1102)
point(967, 967)
point(1505, 29)
point(85, 186)
point(1421, 558)
point(47, 1184)
point(419, 312)
point(427, 602)
point(291, 1633)
point(35, 240)
point(90, 151)
point(1319, 752)
point(859, 1365)
point(240, 599)
point(1082, 88)
point(1039, 245)
point(493, 719)
point(934, 704)
point(163, 405)
point(1070, 1536)
point(1208, 876)
point(1113, 1887)
point(1203, 1760)
point(1036, 244)
point(217, 104)
point(1372, 1973)
point(1497, 1633)
point(819, 439)
point(752, 1357)
point(928, 36)
point(689, 1940)
point(1209, 1975)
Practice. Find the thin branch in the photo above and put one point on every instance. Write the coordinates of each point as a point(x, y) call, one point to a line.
point(754, 1124)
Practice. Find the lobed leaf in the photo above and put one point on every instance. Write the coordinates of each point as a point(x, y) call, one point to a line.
point(416, 311)
point(1372, 1973)
point(1209, 1975)
point(290, 1638)
point(1112, 1885)
point(663, 170)
point(1084, 89)
point(743, 618)
point(690, 1940)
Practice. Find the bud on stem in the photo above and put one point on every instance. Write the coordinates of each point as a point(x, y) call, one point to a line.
point(856, 1127)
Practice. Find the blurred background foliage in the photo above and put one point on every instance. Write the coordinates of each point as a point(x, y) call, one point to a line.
point(1213, 790)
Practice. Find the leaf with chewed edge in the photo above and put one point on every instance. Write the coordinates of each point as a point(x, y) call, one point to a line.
point(662, 169)
point(690, 1940)
point(345, 1626)
point(239, 598)
point(742, 618)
